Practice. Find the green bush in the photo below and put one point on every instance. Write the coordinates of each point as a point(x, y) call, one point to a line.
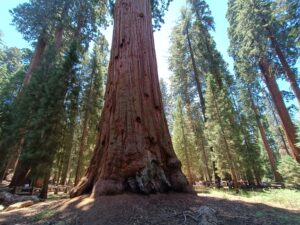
point(289, 169)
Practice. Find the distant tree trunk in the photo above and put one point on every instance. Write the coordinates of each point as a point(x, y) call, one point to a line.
point(34, 64)
point(185, 147)
point(227, 152)
point(286, 121)
point(35, 61)
point(264, 138)
point(82, 147)
point(69, 145)
point(58, 37)
point(196, 74)
point(59, 159)
point(85, 130)
point(66, 165)
point(44, 191)
point(287, 69)
point(198, 140)
point(20, 175)
point(10, 165)
point(134, 136)
point(273, 111)
point(213, 69)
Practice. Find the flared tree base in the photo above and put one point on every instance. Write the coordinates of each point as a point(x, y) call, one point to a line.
point(152, 179)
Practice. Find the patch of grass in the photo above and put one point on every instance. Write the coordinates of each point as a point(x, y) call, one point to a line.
point(287, 219)
point(52, 196)
point(283, 198)
point(43, 215)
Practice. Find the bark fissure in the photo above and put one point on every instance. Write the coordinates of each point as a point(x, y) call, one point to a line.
point(126, 146)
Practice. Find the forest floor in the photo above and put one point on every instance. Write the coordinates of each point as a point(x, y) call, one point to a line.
point(159, 209)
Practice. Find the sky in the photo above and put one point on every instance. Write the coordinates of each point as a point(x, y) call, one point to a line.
point(12, 38)
point(162, 37)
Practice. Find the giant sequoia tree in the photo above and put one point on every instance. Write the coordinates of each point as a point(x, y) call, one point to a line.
point(255, 46)
point(134, 150)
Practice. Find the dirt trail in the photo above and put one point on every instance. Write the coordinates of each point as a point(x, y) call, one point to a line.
point(160, 209)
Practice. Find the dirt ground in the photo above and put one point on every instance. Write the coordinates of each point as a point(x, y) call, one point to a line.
point(160, 209)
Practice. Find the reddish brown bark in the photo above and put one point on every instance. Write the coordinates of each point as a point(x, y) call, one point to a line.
point(39, 52)
point(134, 135)
point(35, 61)
point(277, 123)
point(286, 121)
point(58, 38)
point(20, 175)
point(44, 190)
point(264, 138)
point(287, 69)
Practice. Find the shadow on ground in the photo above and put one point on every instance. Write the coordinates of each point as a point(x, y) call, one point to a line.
point(160, 209)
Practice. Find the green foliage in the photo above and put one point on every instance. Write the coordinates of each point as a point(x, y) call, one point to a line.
point(43, 215)
point(221, 132)
point(281, 198)
point(187, 82)
point(36, 17)
point(183, 141)
point(287, 13)
point(159, 7)
point(43, 118)
point(158, 11)
point(289, 169)
point(252, 24)
point(13, 64)
point(40, 18)
point(167, 102)
point(94, 73)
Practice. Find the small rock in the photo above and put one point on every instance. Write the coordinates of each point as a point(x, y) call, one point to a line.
point(19, 205)
point(60, 223)
point(1, 208)
point(6, 198)
point(207, 216)
point(33, 198)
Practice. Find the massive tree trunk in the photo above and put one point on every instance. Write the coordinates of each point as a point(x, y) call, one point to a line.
point(134, 149)
point(264, 138)
point(287, 69)
point(286, 121)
